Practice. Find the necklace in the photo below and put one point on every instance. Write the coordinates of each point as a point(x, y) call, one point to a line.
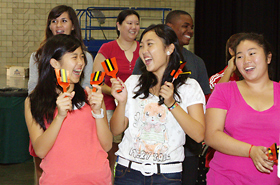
point(123, 47)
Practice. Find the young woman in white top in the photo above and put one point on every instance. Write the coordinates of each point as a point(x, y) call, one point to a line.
point(152, 147)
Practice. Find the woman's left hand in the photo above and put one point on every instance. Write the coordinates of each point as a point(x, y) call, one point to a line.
point(95, 99)
point(167, 91)
point(260, 159)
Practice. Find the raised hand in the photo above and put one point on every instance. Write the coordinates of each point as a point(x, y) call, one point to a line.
point(231, 65)
point(64, 103)
point(95, 99)
point(117, 85)
point(167, 91)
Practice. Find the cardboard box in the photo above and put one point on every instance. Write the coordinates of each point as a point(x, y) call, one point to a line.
point(17, 71)
point(16, 82)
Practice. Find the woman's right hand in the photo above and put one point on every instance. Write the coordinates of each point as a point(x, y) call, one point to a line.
point(260, 159)
point(64, 103)
point(231, 65)
point(117, 84)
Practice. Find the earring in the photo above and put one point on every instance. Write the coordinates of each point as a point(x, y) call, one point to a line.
point(168, 52)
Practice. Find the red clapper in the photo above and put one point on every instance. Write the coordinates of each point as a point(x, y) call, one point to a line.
point(97, 78)
point(273, 152)
point(175, 74)
point(63, 79)
point(111, 68)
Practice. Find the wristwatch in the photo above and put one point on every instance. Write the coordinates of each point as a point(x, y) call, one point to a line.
point(101, 115)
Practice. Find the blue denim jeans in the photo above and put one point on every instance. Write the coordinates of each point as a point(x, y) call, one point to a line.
point(125, 176)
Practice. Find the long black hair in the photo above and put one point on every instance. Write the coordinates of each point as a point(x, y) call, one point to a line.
point(43, 98)
point(148, 80)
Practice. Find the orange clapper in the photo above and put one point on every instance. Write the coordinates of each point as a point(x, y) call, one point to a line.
point(175, 75)
point(111, 68)
point(273, 152)
point(97, 78)
point(63, 79)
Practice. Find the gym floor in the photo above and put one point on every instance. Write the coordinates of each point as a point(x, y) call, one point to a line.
point(17, 174)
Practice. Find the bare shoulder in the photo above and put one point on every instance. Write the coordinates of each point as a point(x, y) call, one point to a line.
point(27, 102)
point(97, 62)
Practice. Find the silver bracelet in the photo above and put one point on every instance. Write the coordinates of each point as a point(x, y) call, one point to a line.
point(101, 115)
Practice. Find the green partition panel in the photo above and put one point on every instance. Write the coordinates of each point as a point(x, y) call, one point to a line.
point(14, 137)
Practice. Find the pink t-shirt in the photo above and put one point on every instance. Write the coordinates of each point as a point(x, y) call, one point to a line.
point(76, 156)
point(110, 50)
point(248, 125)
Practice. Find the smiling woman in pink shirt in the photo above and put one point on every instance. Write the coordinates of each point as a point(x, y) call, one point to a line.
point(242, 119)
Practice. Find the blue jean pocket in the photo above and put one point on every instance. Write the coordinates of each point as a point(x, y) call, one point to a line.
point(120, 171)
